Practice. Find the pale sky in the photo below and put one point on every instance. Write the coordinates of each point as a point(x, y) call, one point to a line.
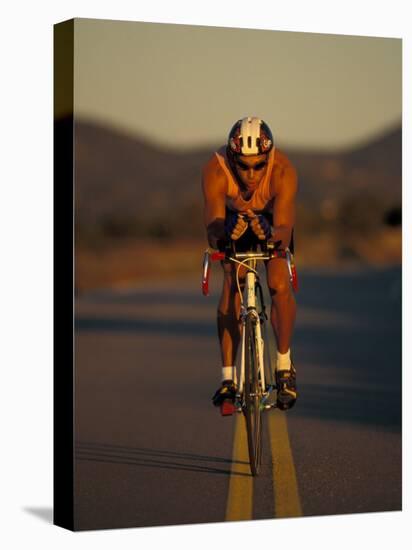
point(184, 86)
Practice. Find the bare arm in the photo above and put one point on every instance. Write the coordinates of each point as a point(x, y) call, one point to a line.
point(214, 192)
point(284, 210)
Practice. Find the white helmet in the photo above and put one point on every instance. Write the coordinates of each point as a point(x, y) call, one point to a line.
point(250, 136)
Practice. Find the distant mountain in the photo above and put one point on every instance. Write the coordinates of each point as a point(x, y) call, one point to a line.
point(374, 168)
point(120, 177)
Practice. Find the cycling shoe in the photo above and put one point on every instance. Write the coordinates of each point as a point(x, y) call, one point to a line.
point(225, 397)
point(286, 386)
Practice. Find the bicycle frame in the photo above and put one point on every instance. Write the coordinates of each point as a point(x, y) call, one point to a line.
point(250, 309)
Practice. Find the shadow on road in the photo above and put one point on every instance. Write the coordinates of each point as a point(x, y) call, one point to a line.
point(173, 327)
point(375, 407)
point(192, 297)
point(154, 458)
point(370, 291)
point(354, 372)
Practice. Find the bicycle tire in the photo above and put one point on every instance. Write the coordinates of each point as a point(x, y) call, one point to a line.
point(252, 398)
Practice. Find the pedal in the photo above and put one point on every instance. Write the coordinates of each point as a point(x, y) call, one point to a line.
point(227, 408)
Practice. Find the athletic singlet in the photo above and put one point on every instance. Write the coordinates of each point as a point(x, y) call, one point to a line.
point(261, 199)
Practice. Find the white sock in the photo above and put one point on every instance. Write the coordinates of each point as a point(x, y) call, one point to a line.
point(229, 373)
point(283, 361)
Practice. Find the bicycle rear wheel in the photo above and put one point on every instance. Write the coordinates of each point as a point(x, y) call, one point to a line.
point(252, 397)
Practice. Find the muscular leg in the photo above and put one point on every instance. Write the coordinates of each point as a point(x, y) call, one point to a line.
point(283, 312)
point(228, 314)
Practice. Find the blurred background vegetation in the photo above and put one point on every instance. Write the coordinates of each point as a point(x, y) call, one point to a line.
point(139, 208)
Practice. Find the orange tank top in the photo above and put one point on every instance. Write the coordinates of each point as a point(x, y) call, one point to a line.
point(261, 199)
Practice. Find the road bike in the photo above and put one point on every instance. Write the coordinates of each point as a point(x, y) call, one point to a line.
point(256, 390)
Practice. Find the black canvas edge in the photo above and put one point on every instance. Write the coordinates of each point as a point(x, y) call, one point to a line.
point(63, 274)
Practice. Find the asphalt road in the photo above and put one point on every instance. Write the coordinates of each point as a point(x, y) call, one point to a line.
point(152, 450)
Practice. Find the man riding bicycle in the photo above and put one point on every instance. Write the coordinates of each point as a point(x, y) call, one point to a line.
point(249, 189)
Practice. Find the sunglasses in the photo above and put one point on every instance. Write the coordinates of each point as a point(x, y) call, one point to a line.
point(258, 166)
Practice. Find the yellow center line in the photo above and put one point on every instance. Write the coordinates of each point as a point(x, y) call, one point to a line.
point(240, 498)
point(285, 487)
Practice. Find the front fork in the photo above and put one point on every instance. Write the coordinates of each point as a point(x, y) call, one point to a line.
point(251, 310)
point(266, 391)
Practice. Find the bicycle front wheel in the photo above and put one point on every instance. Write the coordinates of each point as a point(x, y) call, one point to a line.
point(252, 398)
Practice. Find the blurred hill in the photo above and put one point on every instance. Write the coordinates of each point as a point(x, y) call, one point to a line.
point(349, 201)
point(374, 168)
point(115, 172)
point(125, 186)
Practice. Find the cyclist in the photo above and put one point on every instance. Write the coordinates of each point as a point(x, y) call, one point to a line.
point(249, 190)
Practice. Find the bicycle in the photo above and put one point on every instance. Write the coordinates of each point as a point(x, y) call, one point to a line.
point(257, 380)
